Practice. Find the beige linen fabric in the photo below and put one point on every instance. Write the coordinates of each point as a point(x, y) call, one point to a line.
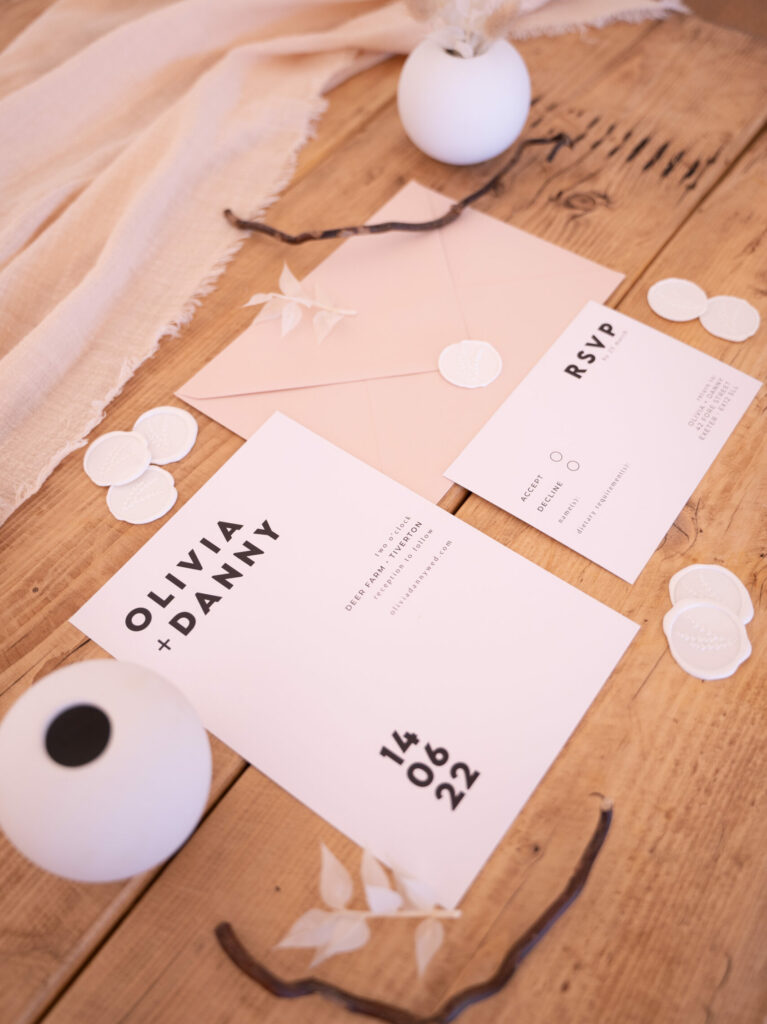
point(125, 125)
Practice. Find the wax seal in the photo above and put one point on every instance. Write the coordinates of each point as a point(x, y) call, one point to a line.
point(707, 640)
point(169, 432)
point(470, 363)
point(712, 583)
point(730, 318)
point(116, 458)
point(145, 499)
point(675, 298)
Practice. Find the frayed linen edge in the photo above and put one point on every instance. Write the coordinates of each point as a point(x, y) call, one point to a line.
point(210, 280)
point(174, 326)
point(655, 13)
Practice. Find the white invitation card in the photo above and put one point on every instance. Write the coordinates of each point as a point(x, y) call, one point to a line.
point(402, 674)
point(603, 442)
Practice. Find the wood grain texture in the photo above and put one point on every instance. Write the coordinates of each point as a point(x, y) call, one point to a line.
point(747, 15)
point(49, 927)
point(679, 887)
point(677, 927)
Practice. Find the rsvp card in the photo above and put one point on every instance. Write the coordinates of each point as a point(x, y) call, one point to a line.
point(607, 437)
point(402, 674)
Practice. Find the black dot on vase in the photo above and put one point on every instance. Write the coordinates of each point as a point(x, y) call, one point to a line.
point(78, 735)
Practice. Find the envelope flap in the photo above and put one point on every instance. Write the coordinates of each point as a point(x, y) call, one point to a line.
point(407, 310)
point(415, 293)
point(510, 281)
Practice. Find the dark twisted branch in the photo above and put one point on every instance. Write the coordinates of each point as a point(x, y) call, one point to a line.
point(461, 1000)
point(555, 141)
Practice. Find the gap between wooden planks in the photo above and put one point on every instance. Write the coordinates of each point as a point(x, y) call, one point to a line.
point(607, 149)
point(677, 928)
point(588, 219)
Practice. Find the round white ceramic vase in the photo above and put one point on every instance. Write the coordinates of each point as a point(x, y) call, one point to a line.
point(104, 771)
point(462, 110)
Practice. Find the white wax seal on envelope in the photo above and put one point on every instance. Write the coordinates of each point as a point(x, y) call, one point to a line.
point(675, 298)
point(145, 499)
point(712, 583)
point(116, 458)
point(470, 363)
point(730, 318)
point(170, 433)
point(707, 640)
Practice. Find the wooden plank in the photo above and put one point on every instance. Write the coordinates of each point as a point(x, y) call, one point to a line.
point(47, 588)
point(673, 927)
point(50, 926)
point(747, 15)
point(121, 555)
point(255, 858)
point(599, 200)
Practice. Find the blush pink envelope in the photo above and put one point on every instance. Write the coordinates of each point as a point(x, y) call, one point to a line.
point(372, 386)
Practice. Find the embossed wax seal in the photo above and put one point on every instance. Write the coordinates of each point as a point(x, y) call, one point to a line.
point(145, 499)
point(170, 433)
point(675, 298)
point(470, 363)
point(707, 640)
point(712, 583)
point(730, 318)
point(116, 458)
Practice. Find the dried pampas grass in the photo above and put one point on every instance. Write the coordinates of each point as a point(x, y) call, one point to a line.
point(466, 27)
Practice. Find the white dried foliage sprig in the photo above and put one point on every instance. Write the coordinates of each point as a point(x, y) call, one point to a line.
point(466, 27)
point(341, 930)
point(289, 303)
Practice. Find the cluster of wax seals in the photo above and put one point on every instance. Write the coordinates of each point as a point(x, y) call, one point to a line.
point(705, 628)
point(470, 363)
point(128, 463)
point(724, 316)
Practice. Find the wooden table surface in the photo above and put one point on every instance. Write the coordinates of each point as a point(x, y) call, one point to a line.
point(667, 177)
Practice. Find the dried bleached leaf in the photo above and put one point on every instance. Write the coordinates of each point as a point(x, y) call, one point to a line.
point(335, 881)
point(291, 286)
point(372, 872)
point(417, 894)
point(383, 901)
point(466, 27)
point(273, 309)
point(289, 305)
point(428, 938)
point(348, 933)
point(314, 928)
point(259, 298)
point(324, 301)
point(291, 317)
point(499, 23)
point(324, 321)
point(519, 950)
point(463, 47)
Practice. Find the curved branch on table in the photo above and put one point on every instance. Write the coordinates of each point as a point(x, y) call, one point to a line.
point(555, 141)
point(461, 1000)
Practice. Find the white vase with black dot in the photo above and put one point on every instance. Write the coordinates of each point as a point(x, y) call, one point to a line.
point(104, 771)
